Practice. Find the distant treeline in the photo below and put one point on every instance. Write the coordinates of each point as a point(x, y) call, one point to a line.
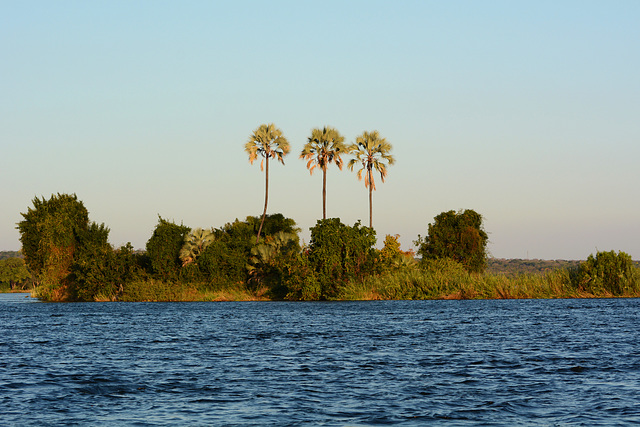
point(10, 254)
point(518, 266)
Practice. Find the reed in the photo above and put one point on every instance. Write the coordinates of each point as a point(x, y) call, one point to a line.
point(446, 280)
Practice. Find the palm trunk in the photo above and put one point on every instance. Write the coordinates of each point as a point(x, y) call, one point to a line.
point(324, 193)
point(370, 198)
point(266, 198)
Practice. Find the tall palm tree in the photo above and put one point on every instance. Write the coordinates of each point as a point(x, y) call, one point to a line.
point(322, 148)
point(372, 152)
point(266, 141)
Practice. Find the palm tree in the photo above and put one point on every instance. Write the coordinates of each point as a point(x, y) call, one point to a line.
point(373, 153)
point(322, 148)
point(266, 141)
point(194, 244)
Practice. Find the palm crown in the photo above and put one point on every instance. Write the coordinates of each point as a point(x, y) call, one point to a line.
point(268, 142)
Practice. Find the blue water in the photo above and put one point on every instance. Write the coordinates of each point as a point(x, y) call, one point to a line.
point(507, 362)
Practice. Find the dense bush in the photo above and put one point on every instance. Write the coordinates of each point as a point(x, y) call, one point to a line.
point(226, 261)
point(339, 253)
point(163, 249)
point(49, 234)
point(300, 280)
point(458, 236)
point(99, 272)
point(14, 273)
point(608, 273)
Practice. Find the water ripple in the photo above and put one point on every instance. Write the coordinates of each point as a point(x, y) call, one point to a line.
point(567, 362)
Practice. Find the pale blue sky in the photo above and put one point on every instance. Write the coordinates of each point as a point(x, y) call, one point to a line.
point(526, 111)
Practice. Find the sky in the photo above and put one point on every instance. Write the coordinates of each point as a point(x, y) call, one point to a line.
point(527, 112)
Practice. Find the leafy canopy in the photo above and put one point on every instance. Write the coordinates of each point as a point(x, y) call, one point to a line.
point(49, 234)
point(458, 236)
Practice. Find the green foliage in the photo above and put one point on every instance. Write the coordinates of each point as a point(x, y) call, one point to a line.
point(608, 273)
point(274, 224)
point(224, 262)
point(445, 278)
point(338, 253)
point(99, 272)
point(163, 249)
point(300, 280)
point(269, 260)
point(392, 257)
point(14, 273)
point(456, 235)
point(194, 244)
point(49, 235)
point(151, 289)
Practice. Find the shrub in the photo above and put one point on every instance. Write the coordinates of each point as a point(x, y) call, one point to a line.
point(339, 253)
point(163, 249)
point(49, 235)
point(459, 236)
point(608, 273)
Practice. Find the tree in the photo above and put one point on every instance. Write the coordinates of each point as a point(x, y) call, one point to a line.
point(268, 142)
point(339, 253)
point(163, 248)
point(608, 272)
point(456, 235)
point(49, 234)
point(372, 152)
point(391, 256)
point(99, 272)
point(14, 272)
point(324, 147)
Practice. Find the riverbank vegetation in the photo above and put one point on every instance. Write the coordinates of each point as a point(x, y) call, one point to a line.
point(70, 259)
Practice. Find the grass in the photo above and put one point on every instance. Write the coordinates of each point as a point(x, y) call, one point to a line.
point(155, 290)
point(445, 280)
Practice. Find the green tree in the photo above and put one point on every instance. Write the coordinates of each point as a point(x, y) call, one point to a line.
point(372, 153)
point(99, 272)
point(14, 272)
point(268, 142)
point(339, 253)
point(608, 273)
point(456, 235)
point(49, 234)
point(323, 147)
point(391, 256)
point(163, 249)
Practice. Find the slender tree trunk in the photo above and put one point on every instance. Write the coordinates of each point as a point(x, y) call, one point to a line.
point(266, 198)
point(324, 193)
point(370, 198)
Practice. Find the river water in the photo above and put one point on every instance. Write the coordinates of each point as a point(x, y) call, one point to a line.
point(505, 362)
